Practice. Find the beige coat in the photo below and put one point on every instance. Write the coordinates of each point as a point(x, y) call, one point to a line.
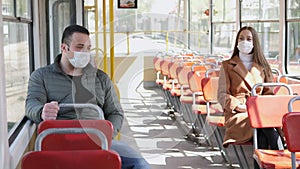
point(235, 85)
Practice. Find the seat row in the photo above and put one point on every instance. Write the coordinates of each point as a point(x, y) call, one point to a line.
point(190, 84)
point(71, 144)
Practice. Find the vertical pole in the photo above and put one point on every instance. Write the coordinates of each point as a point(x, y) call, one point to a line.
point(186, 23)
point(96, 27)
point(211, 26)
point(177, 23)
point(128, 44)
point(104, 36)
point(112, 49)
point(167, 40)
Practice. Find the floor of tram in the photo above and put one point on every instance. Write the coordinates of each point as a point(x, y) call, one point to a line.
point(151, 131)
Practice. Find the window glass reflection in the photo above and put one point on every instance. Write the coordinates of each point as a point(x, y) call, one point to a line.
point(293, 9)
point(16, 59)
point(8, 7)
point(260, 10)
point(293, 47)
point(268, 36)
point(23, 8)
point(223, 38)
point(224, 10)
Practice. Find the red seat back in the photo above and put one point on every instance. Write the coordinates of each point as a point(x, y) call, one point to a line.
point(164, 66)
point(156, 63)
point(194, 80)
point(291, 128)
point(82, 159)
point(183, 70)
point(75, 141)
point(210, 88)
point(268, 110)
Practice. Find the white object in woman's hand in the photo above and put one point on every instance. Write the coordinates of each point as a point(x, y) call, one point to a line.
point(241, 108)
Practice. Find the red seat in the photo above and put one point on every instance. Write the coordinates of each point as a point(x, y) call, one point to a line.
point(69, 141)
point(266, 111)
point(215, 115)
point(183, 79)
point(284, 78)
point(291, 128)
point(156, 63)
point(78, 159)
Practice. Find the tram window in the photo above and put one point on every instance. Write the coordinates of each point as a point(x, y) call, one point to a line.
point(293, 47)
point(16, 59)
point(223, 26)
point(23, 8)
point(61, 14)
point(269, 34)
point(260, 9)
point(293, 9)
point(263, 15)
point(223, 38)
point(199, 27)
point(8, 7)
point(293, 40)
point(224, 10)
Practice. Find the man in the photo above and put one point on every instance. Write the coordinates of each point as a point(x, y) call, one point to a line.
point(72, 79)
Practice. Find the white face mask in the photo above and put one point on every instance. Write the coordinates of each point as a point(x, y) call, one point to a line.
point(245, 47)
point(80, 59)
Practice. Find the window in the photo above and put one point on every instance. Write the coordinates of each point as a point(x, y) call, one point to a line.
point(223, 26)
point(260, 10)
point(263, 16)
point(293, 34)
point(17, 51)
point(199, 26)
point(61, 14)
point(268, 36)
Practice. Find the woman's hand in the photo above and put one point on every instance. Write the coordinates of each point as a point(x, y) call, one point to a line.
point(241, 108)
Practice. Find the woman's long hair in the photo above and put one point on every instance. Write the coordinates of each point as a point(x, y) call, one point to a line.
point(258, 56)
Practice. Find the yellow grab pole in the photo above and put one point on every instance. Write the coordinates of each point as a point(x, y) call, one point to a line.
point(112, 52)
point(167, 40)
point(127, 38)
point(104, 36)
point(112, 49)
point(96, 28)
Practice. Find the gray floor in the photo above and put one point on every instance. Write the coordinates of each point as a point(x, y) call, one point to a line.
point(159, 138)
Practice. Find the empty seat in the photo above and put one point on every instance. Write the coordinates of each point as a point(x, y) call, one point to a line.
point(71, 141)
point(291, 128)
point(78, 159)
point(266, 111)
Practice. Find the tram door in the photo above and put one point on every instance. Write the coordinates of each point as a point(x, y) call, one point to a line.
point(61, 13)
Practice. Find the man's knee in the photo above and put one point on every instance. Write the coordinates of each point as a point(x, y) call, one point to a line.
point(134, 163)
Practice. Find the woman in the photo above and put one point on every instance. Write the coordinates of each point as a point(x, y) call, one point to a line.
point(246, 67)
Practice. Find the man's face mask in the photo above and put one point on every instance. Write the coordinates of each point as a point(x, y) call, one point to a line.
point(245, 47)
point(80, 59)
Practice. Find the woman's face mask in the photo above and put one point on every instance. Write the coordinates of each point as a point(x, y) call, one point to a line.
point(80, 59)
point(245, 46)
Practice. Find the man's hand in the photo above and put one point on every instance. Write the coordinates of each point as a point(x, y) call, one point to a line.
point(50, 111)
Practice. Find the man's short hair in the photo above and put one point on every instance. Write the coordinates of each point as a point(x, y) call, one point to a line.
point(68, 32)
